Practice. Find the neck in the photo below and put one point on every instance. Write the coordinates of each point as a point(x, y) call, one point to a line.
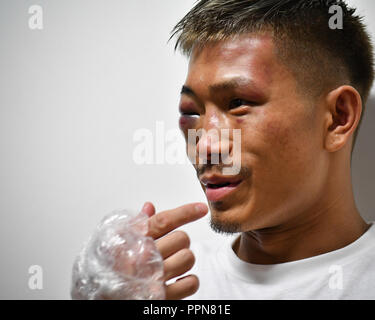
point(331, 224)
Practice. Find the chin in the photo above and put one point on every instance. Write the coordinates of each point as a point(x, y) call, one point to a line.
point(224, 219)
point(224, 227)
point(229, 218)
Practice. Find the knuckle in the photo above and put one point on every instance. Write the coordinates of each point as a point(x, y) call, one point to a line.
point(192, 284)
point(183, 238)
point(188, 256)
point(161, 221)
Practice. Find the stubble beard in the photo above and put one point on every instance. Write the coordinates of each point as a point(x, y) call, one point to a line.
point(221, 226)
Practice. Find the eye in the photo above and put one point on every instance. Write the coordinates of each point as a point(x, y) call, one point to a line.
point(188, 120)
point(190, 114)
point(235, 103)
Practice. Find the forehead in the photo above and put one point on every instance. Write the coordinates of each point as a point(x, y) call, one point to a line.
point(250, 56)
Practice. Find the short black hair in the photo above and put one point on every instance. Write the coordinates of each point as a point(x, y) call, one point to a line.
point(320, 57)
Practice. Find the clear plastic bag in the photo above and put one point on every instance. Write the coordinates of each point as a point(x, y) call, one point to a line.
point(119, 262)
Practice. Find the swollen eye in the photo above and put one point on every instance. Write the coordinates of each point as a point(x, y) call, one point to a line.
point(188, 120)
point(190, 114)
point(236, 103)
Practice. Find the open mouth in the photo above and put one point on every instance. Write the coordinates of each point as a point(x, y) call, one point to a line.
point(222, 185)
point(218, 190)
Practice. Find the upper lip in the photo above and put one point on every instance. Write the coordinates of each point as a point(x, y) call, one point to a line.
point(216, 179)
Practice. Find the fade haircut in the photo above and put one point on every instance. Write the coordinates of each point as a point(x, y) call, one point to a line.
point(320, 58)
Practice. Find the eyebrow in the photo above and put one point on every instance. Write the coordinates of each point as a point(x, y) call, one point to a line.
point(232, 83)
point(225, 85)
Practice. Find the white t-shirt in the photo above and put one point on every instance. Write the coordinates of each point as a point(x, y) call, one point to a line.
point(346, 273)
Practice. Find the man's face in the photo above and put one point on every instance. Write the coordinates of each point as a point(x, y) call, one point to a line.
point(241, 84)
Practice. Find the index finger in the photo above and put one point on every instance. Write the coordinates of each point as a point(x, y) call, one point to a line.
point(166, 221)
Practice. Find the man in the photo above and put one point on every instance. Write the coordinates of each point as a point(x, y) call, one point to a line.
point(296, 89)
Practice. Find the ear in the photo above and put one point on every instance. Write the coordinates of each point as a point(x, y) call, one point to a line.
point(344, 109)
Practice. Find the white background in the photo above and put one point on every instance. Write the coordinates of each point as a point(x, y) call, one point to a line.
point(71, 97)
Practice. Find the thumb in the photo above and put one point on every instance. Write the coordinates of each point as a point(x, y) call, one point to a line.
point(148, 208)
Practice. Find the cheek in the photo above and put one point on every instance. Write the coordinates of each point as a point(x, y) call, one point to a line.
point(279, 137)
point(284, 143)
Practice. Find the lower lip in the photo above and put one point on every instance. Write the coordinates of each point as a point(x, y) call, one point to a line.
point(219, 193)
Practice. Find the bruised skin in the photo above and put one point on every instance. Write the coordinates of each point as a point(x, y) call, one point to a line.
point(296, 191)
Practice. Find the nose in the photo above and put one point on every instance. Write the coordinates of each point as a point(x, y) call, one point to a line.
point(214, 140)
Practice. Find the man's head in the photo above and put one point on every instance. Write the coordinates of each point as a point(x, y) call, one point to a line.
point(293, 86)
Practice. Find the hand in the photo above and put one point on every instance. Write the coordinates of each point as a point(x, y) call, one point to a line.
point(174, 246)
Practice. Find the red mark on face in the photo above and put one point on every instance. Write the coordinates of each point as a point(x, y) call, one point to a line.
point(183, 122)
point(186, 122)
